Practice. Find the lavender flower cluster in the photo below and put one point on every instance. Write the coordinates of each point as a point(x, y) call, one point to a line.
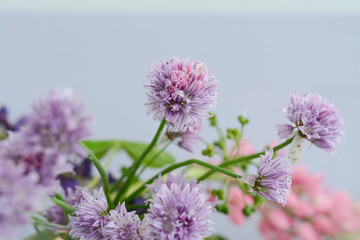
point(38, 152)
point(178, 210)
point(45, 145)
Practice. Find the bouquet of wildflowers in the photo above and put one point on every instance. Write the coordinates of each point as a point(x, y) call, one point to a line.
point(46, 174)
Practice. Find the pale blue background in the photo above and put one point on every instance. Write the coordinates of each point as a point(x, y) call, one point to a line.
point(258, 59)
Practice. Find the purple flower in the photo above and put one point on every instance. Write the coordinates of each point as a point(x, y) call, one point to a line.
point(20, 197)
point(186, 140)
point(316, 120)
point(47, 166)
point(173, 178)
point(5, 125)
point(90, 216)
point(57, 124)
point(273, 181)
point(179, 211)
point(180, 91)
point(123, 225)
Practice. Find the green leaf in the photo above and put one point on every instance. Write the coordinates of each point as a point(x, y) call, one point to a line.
point(135, 149)
point(215, 237)
point(45, 234)
point(100, 148)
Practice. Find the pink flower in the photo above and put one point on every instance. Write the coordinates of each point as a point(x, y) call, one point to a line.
point(236, 204)
point(313, 212)
point(244, 148)
point(305, 231)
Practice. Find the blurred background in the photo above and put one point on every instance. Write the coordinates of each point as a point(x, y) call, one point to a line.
point(260, 51)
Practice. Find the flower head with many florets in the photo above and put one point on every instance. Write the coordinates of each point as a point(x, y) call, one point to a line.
point(181, 92)
point(90, 216)
point(57, 124)
point(273, 181)
point(316, 120)
point(179, 211)
point(123, 225)
point(20, 197)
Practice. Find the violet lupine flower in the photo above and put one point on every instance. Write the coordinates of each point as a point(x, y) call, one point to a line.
point(90, 216)
point(20, 197)
point(57, 124)
point(179, 211)
point(123, 225)
point(273, 181)
point(316, 120)
point(180, 91)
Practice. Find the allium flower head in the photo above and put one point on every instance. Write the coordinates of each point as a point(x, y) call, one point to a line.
point(90, 215)
point(57, 124)
point(123, 225)
point(47, 166)
point(180, 91)
point(20, 197)
point(173, 178)
point(316, 120)
point(179, 211)
point(186, 140)
point(273, 181)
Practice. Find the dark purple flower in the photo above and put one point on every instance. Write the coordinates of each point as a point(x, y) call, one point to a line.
point(179, 211)
point(5, 125)
point(90, 216)
point(180, 91)
point(273, 181)
point(316, 120)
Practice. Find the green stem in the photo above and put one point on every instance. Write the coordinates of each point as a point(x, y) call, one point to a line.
point(63, 205)
point(137, 163)
point(42, 222)
point(178, 165)
point(102, 173)
point(136, 206)
point(244, 159)
point(157, 155)
point(109, 159)
point(117, 183)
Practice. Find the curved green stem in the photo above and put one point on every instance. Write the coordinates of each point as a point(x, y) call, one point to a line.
point(102, 173)
point(178, 165)
point(137, 163)
point(117, 183)
point(244, 159)
point(62, 204)
point(153, 159)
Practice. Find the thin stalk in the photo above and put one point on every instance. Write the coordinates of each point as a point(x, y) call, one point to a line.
point(108, 161)
point(178, 165)
point(157, 155)
point(63, 205)
point(117, 183)
point(102, 173)
point(137, 163)
point(244, 159)
point(42, 222)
